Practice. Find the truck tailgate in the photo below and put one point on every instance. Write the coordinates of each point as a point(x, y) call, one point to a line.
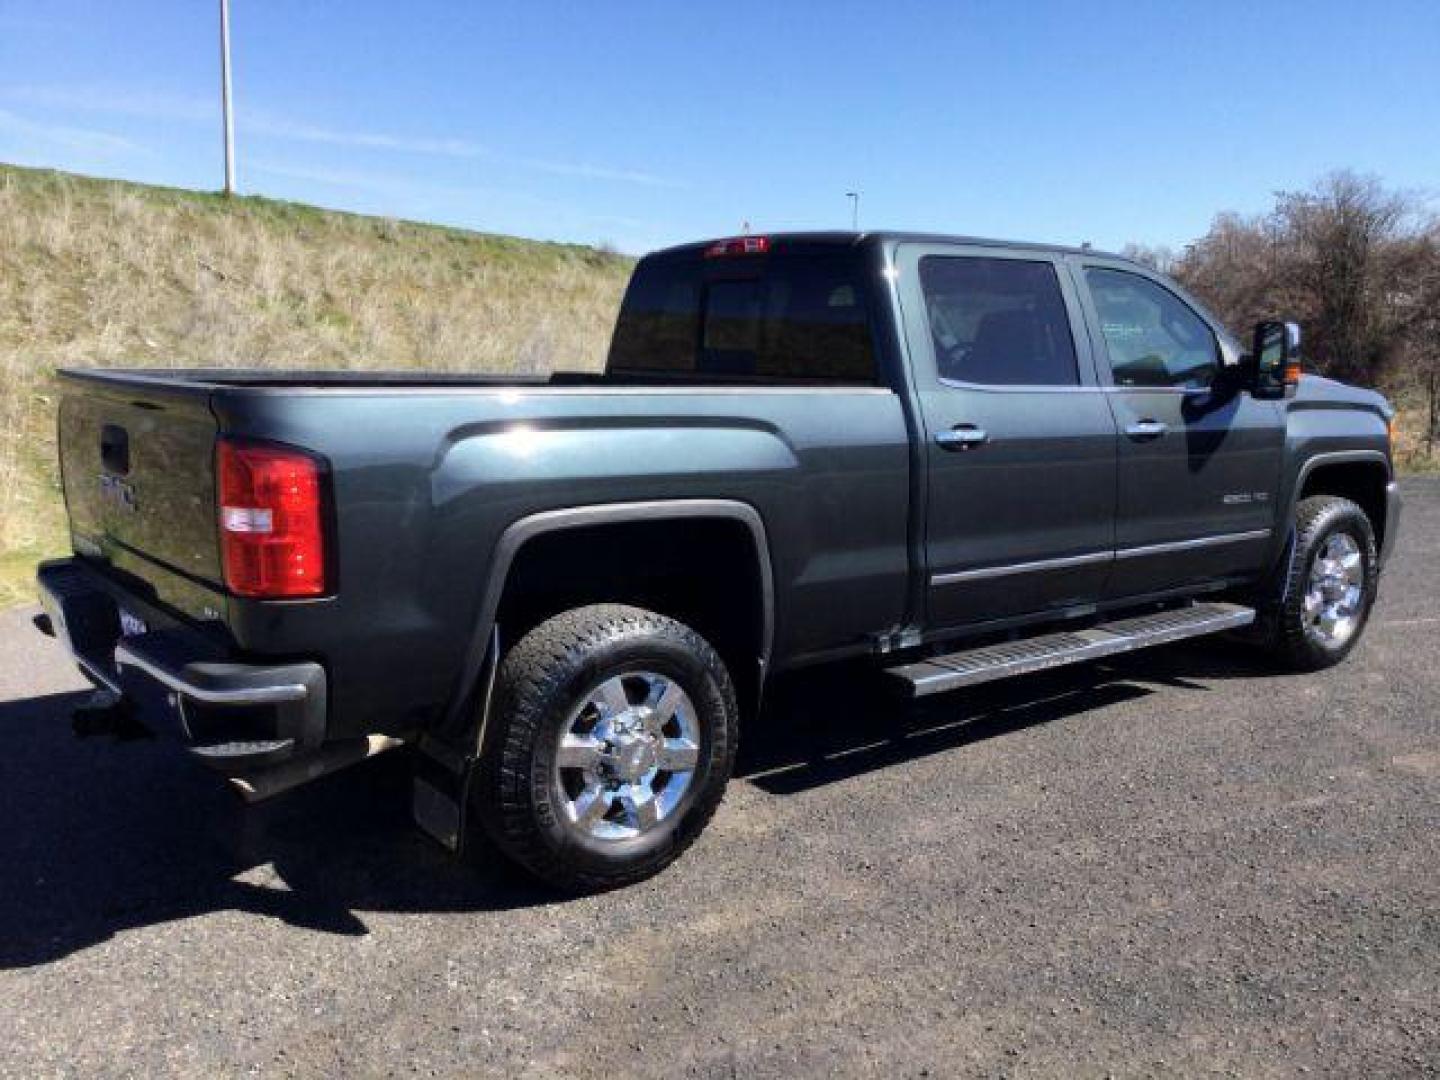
point(139, 476)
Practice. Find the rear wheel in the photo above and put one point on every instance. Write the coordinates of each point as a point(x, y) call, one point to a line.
point(1331, 586)
point(614, 737)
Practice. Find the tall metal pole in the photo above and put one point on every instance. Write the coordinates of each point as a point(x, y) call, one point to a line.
point(854, 197)
point(225, 107)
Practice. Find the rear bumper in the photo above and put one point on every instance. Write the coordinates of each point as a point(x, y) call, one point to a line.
point(1394, 501)
point(235, 717)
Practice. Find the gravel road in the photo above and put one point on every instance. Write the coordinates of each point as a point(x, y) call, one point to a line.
point(1175, 863)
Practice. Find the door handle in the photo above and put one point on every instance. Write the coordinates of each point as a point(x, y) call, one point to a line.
point(961, 437)
point(1147, 429)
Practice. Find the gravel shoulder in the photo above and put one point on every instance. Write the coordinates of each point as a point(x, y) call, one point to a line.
point(1175, 863)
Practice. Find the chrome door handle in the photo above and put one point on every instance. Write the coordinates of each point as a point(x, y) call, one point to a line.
point(961, 437)
point(1147, 429)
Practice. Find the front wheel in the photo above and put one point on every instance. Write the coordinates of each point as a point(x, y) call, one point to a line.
point(1331, 586)
point(614, 737)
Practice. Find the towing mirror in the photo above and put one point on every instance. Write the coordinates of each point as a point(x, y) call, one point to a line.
point(1274, 359)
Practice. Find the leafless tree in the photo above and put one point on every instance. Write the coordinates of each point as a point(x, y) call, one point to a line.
point(1348, 258)
point(1161, 258)
point(1414, 294)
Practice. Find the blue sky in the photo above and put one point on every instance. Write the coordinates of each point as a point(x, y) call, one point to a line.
point(642, 124)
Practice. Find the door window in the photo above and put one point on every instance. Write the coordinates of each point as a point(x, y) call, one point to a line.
point(998, 322)
point(1153, 337)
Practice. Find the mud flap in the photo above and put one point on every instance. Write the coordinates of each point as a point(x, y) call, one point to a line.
point(437, 801)
point(446, 762)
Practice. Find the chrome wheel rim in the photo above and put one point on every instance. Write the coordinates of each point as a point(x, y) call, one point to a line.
point(627, 756)
point(1335, 591)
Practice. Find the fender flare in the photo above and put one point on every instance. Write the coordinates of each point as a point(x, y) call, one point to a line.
point(1336, 457)
point(1286, 531)
point(483, 647)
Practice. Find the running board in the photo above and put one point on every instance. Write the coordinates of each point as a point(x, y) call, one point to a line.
point(974, 666)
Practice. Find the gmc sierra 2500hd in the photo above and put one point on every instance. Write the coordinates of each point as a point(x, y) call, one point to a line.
point(963, 458)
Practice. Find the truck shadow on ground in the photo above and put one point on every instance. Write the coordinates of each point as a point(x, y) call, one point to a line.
point(102, 837)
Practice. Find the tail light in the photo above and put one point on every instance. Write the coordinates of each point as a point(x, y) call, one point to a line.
point(272, 528)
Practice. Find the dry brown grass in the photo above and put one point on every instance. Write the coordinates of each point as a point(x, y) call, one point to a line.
point(97, 272)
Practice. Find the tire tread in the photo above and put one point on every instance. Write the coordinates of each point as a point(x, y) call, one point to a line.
point(531, 676)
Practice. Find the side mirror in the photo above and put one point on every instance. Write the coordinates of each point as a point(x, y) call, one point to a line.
point(1274, 360)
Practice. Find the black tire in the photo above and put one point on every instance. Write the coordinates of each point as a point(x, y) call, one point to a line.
point(1292, 639)
point(542, 681)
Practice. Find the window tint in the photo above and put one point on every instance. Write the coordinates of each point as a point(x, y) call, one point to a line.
point(998, 322)
point(658, 325)
point(794, 317)
point(1153, 337)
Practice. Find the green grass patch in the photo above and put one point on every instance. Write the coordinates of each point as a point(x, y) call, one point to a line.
point(17, 572)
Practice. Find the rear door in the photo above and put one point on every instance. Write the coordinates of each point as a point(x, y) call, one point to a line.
point(1019, 442)
point(1198, 459)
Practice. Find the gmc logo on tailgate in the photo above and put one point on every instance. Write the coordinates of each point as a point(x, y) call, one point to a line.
point(117, 493)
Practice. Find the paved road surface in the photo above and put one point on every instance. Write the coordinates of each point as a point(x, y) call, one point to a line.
point(1174, 863)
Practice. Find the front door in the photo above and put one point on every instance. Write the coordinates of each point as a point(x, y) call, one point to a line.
point(1018, 438)
point(1199, 460)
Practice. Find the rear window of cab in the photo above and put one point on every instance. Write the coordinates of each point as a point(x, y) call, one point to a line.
point(777, 318)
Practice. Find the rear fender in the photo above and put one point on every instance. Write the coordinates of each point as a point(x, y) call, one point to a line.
point(466, 716)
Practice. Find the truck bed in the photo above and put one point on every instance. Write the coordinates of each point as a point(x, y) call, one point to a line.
point(426, 471)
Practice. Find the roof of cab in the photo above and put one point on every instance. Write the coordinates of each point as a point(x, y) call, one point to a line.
point(838, 238)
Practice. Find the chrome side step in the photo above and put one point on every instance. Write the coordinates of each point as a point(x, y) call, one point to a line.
point(974, 666)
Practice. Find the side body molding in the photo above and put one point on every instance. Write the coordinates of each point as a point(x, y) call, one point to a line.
point(525, 529)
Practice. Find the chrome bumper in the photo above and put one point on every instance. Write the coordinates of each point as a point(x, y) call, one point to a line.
point(231, 715)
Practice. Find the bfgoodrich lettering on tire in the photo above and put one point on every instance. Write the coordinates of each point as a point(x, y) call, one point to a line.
point(613, 736)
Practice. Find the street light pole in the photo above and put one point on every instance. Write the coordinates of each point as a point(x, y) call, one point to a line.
point(854, 197)
point(225, 107)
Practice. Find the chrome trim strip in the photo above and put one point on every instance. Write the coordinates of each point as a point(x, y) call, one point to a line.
point(1191, 545)
point(98, 675)
point(954, 576)
point(1068, 388)
point(255, 695)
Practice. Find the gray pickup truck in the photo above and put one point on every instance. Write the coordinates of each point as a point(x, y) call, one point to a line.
point(962, 459)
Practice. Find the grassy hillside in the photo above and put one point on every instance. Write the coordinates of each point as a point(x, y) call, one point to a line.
point(99, 272)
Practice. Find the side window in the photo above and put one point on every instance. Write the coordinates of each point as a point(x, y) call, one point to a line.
point(1153, 337)
point(998, 322)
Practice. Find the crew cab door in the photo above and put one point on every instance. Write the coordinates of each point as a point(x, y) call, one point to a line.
point(1199, 459)
point(1018, 441)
